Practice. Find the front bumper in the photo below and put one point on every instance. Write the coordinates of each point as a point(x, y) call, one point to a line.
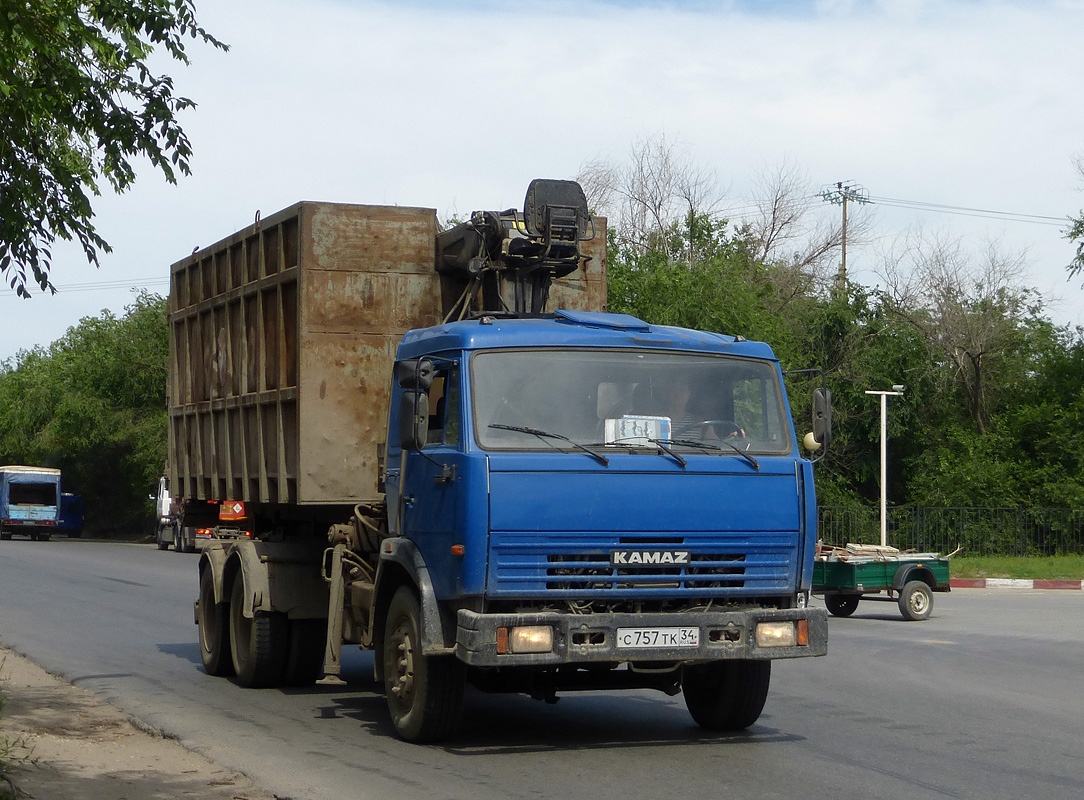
point(592, 638)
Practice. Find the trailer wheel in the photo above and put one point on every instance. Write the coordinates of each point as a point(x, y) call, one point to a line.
point(305, 659)
point(258, 644)
point(424, 693)
point(726, 695)
point(214, 629)
point(841, 605)
point(916, 601)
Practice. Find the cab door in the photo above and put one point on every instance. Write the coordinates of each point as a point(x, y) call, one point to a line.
point(431, 483)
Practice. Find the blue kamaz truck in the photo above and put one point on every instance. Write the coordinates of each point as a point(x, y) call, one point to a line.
point(479, 490)
point(29, 501)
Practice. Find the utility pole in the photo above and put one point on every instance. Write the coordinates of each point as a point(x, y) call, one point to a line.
point(841, 193)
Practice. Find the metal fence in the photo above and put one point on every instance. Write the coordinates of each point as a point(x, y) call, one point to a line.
point(978, 531)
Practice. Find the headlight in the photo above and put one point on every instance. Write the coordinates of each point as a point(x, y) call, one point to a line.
point(777, 634)
point(525, 639)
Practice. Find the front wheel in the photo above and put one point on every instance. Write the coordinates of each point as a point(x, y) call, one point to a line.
point(424, 693)
point(726, 695)
point(160, 540)
point(916, 601)
point(259, 644)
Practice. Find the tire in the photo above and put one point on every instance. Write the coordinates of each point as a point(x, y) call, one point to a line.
point(161, 542)
point(305, 655)
point(916, 601)
point(5, 535)
point(44, 537)
point(726, 695)
point(841, 605)
point(259, 644)
point(424, 693)
point(214, 629)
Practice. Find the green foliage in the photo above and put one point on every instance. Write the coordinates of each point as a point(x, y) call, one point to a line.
point(78, 104)
point(93, 405)
point(1066, 567)
point(992, 414)
point(1076, 234)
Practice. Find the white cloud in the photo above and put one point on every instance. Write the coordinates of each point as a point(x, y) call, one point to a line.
point(457, 106)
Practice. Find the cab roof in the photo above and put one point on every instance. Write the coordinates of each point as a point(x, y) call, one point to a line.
point(573, 329)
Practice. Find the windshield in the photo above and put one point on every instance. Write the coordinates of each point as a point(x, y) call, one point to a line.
point(532, 399)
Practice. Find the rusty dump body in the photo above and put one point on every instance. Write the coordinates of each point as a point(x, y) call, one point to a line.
point(282, 341)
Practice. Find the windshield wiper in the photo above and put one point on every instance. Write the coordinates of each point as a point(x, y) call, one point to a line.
point(676, 456)
point(710, 446)
point(632, 442)
point(547, 435)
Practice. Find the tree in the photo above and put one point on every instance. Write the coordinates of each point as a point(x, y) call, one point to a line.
point(93, 404)
point(1076, 230)
point(970, 311)
point(657, 189)
point(78, 106)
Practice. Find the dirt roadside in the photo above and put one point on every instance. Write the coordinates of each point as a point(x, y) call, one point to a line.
point(67, 744)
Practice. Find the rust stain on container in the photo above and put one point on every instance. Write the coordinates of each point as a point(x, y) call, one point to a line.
point(282, 341)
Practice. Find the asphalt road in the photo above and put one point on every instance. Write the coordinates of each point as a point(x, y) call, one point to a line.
point(985, 699)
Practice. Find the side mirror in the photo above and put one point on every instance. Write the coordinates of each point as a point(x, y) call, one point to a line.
point(822, 416)
point(413, 420)
point(415, 374)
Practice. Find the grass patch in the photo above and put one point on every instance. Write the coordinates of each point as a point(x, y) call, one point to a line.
point(12, 753)
point(1033, 567)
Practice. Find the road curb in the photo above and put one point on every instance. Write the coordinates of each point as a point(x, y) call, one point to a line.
point(1013, 583)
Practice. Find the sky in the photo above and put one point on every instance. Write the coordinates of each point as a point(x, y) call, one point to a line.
point(456, 106)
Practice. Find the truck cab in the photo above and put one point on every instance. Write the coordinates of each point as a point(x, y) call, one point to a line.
point(586, 490)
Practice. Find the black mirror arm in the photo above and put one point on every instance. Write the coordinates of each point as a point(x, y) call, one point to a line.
point(447, 471)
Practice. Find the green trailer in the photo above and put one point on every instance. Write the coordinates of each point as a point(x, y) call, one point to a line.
point(910, 579)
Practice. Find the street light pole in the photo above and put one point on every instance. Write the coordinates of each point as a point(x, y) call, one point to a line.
point(896, 391)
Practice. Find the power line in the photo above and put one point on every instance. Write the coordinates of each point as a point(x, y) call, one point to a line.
point(95, 286)
point(942, 208)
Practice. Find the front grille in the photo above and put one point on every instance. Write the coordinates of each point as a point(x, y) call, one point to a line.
point(579, 565)
point(593, 571)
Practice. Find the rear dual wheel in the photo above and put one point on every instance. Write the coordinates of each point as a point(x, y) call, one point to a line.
point(263, 651)
point(258, 644)
point(214, 631)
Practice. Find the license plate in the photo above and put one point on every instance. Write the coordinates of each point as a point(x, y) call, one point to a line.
point(658, 637)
